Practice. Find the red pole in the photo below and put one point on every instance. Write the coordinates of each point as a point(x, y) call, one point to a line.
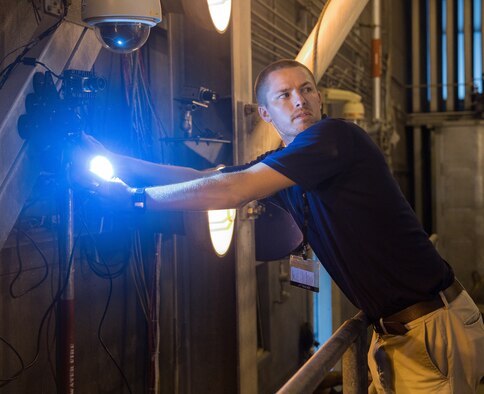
point(65, 316)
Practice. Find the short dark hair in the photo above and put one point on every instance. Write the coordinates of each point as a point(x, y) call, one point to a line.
point(261, 80)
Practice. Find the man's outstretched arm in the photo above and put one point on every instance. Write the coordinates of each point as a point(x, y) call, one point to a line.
point(229, 190)
point(137, 171)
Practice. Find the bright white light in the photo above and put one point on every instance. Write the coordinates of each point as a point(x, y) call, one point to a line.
point(220, 13)
point(221, 225)
point(102, 167)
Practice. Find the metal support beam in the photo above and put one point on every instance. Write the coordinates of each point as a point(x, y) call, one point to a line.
point(417, 107)
point(245, 273)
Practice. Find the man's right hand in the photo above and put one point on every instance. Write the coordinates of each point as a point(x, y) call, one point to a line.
point(93, 146)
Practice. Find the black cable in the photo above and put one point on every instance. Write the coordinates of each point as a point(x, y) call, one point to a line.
point(13, 51)
point(94, 263)
point(20, 261)
point(99, 334)
point(109, 277)
point(6, 381)
point(5, 73)
point(39, 332)
point(38, 18)
point(53, 303)
point(31, 61)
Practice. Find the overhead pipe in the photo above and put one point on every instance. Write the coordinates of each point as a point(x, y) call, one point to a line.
point(336, 21)
point(328, 35)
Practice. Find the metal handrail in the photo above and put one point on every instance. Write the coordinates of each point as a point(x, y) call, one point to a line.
point(348, 342)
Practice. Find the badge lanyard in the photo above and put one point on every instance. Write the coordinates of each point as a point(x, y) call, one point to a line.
point(304, 272)
point(305, 243)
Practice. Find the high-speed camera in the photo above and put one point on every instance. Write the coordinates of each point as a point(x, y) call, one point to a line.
point(122, 26)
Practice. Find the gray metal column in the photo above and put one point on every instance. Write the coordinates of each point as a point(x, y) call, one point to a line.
point(244, 232)
point(417, 107)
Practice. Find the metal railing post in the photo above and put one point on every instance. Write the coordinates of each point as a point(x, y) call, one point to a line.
point(355, 366)
point(352, 333)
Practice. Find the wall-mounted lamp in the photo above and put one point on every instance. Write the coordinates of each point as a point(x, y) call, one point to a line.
point(209, 13)
point(220, 13)
point(221, 226)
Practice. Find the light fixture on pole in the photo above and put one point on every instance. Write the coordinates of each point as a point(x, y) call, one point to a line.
point(209, 14)
point(220, 13)
point(221, 226)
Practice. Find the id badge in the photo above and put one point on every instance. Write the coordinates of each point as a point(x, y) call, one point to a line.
point(304, 273)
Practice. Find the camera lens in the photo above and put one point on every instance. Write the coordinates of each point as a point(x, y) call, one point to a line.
point(122, 37)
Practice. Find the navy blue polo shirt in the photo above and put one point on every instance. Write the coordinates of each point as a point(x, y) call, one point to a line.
point(360, 225)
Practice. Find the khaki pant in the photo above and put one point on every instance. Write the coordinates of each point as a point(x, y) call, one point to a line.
point(442, 353)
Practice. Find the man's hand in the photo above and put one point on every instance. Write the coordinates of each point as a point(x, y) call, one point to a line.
point(92, 146)
point(114, 192)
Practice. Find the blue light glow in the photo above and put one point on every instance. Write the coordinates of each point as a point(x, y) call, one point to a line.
point(102, 167)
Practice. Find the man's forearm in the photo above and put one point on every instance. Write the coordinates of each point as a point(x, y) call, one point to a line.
point(215, 192)
point(145, 173)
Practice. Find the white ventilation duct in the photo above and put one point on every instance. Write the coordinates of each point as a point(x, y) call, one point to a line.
point(337, 21)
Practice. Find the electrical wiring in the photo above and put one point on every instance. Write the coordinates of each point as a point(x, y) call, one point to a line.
point(138, 98)
point(47, 314)
point(20, 261)
point(108, 276)
point(13, 51)
point(54, 302)
point(38, 18)
point(30, 61)
point(135, 260)
point(95, 264)
point(5, 73)
point(98, 261)
point(139, 261)
point(5, 381)
point(52, 344)
point(99, 334)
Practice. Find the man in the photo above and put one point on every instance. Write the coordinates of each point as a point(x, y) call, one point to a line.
point(429, 335)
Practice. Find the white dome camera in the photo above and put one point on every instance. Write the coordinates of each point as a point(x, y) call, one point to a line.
point(122, 26)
